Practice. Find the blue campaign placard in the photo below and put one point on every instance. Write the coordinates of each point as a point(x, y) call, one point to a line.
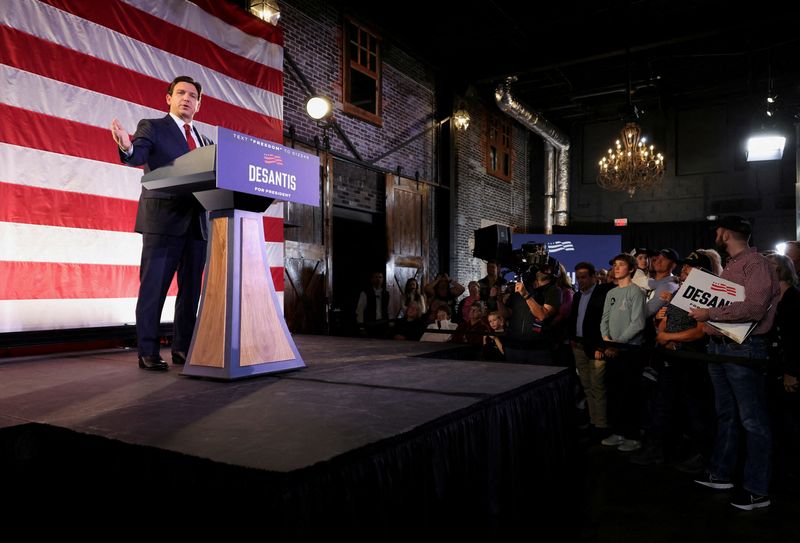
point(265, 168)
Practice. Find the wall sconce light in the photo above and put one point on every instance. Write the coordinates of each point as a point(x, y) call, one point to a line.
point(319, 108)
point(461, 118)
point(266, 9)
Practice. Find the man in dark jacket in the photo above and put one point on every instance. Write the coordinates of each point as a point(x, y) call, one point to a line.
point(530, 311)
point(583, 329)
point(173, 228)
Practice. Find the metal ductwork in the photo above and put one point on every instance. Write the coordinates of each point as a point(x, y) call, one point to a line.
point(556, 178)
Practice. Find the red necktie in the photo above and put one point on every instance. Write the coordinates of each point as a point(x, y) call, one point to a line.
point(189, 138)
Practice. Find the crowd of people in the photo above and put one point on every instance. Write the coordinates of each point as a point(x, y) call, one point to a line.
point(660, 382)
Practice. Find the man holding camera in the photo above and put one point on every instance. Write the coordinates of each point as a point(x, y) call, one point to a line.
point(529, 312)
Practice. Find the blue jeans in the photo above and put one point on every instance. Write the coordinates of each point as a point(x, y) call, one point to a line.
point(739, 394)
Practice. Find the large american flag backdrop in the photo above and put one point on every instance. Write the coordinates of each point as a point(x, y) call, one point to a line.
point(68, 255)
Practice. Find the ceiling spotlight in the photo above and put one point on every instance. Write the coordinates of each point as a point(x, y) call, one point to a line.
point(767, 142)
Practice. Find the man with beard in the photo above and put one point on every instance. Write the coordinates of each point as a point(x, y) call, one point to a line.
point(739, 388)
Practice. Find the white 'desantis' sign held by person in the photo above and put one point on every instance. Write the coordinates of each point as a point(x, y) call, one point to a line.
point(705, 290)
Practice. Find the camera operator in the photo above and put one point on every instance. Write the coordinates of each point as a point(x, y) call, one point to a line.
point(529, 312)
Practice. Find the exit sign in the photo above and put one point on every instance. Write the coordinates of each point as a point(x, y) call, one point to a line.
point(620, 222)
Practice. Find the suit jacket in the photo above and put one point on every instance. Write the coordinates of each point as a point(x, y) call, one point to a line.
point(591, 319)
point(156, 143)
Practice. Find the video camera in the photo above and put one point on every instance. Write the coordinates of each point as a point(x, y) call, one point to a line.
point(531, 259)
point(494, 243)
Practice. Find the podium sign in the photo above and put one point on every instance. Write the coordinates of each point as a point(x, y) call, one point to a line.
point(240, 329)
point(263, 168)
point(705, 290)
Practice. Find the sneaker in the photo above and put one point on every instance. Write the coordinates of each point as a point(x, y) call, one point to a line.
point(614, 440)
point(694, 464)
point(650, 373)
point(742, 499)
point(629, 445)
point(712, 482)
point(650, 455)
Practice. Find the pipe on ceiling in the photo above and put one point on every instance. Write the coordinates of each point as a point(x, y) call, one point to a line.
point(557, 178)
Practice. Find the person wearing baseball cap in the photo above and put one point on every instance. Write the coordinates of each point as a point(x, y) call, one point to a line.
point(681, 380)
point(664, 284)
point(623, 321)
point(737, 224)
point(695, 259)
point(739, 389)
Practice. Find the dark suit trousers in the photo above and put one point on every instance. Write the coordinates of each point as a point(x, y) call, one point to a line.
point(162, 256)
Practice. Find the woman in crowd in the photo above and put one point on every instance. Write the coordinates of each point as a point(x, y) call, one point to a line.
point(412, 325)
point(465, 304)
point(412, 293)
point(442, 323)
point(563, 352)
point(784, 373)
point(443, 291)
point(472, 330)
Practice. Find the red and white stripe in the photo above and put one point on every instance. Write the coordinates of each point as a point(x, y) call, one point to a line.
point(68, 255)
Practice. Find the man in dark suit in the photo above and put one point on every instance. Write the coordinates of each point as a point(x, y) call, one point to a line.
point(583, 328)
point(173, 227)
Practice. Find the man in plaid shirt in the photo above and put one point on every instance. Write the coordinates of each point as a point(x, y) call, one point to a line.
point(739, 388)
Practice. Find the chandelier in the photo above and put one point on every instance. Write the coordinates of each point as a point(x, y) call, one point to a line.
point(631, 164)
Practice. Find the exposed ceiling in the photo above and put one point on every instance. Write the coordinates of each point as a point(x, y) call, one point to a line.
point(573, 59)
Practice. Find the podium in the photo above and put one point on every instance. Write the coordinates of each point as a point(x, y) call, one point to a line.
point(240, 329)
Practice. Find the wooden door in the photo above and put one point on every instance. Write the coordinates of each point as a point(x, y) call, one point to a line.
point(304, 288)
point(307, 258)
point(407, 234)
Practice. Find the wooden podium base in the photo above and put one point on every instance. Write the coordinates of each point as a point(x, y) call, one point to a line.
point(240, 330)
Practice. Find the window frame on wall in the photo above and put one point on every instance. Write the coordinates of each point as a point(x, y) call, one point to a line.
point(365, 67)
point(499, 143)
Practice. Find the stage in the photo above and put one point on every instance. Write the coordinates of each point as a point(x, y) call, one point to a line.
point(374, 439)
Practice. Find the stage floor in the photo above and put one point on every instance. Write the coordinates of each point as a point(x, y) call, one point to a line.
point(353, 393)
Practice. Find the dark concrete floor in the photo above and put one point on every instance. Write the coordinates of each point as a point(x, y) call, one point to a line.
point(654, 504)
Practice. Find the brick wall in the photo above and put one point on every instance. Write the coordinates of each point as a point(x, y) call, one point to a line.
point(717, 179)
point(313, 36)
point(482, 198)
